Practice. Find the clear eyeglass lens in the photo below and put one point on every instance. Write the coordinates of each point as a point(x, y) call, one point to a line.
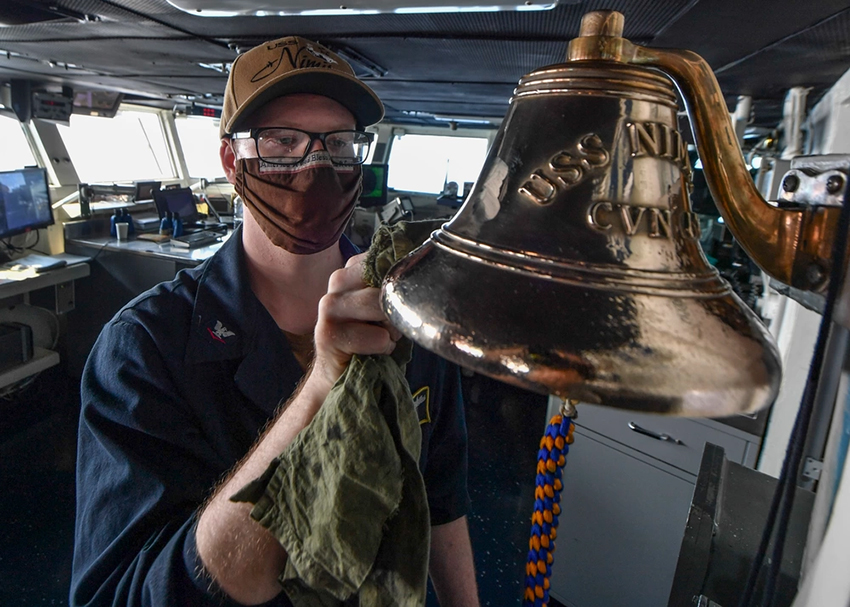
point(290, 146)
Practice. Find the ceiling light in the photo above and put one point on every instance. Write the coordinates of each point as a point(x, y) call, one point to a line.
point(233, 8)
point(221, 68)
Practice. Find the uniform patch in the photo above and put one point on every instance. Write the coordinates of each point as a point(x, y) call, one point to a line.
point(220, 332)
point(422, 402)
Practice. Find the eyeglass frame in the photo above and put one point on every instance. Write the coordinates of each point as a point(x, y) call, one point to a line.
point(255, 132)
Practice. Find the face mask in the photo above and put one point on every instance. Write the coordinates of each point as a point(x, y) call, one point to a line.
point(302, 208)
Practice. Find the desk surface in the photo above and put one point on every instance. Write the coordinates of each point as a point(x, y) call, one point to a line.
point(146, 247)
point(16, 282)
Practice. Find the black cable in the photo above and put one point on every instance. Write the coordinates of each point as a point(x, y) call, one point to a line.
point(9, 246)
point(99, 251)
point(37, 239)
point(783, 497)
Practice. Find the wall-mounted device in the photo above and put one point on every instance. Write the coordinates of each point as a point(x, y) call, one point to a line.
point(194, 109)
point(202, 110)
point(53, 107)
point(28, 103)
point(97, 103)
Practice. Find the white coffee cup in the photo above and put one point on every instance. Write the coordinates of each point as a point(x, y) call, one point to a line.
point(122, 229)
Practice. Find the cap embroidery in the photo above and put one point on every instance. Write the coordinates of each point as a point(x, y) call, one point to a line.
point(300, 61)
point(271, 67)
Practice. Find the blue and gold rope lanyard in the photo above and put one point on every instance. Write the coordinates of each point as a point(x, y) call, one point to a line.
point(551, 459)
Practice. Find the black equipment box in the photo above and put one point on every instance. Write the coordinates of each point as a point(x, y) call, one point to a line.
point(15, 344)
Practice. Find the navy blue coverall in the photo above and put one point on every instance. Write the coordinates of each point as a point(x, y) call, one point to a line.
point(176, 390)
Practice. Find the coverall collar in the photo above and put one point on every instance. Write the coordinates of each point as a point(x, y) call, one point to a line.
point(229, 322)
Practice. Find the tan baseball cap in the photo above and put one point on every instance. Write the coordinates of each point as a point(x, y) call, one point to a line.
point(293, 65)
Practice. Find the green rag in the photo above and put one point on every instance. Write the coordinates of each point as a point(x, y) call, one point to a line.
point(346, 499)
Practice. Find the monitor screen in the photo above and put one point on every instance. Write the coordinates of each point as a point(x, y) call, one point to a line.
point(177, 200)
point(24, 201)
point(407, 204)
point(145, 190)
point(374, 185)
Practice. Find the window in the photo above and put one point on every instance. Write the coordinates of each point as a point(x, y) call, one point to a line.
point(15, 153)
point(200, 143)
point(425, 163)
point(129, 147)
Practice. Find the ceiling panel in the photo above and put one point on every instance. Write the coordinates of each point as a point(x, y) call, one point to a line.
point(464, 63)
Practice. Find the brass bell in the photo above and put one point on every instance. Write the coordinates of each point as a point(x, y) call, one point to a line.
point(574, 267)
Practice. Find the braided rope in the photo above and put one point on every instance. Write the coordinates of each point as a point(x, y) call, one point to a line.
point(551, 459)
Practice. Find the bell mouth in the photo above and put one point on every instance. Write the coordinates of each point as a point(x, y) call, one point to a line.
point(692, 352)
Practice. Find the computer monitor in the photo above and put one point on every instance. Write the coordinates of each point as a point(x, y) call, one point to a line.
point(177, 200)
point(374, 185)
point(24, 201)
point(145, 190)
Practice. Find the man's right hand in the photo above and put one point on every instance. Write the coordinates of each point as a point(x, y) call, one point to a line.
point(242, 556)
point(350, 322)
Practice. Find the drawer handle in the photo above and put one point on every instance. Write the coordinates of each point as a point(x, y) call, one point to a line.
point(654, 435)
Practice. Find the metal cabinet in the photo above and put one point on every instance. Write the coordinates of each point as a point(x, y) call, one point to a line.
point(625, 503)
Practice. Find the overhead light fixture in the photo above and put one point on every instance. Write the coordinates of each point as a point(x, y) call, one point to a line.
point(463, 120)
point(221, 68)
point(77, 69)
point(492, 120)
point(267, 8)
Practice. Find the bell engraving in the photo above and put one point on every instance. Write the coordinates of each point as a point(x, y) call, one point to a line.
point(539, 188)
point(657, 140)
point(690, 225)
point(630, 219)
point(568, 168)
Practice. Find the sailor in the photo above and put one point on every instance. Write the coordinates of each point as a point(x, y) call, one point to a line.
point(196, 385)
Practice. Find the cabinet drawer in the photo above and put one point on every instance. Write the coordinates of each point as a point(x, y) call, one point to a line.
point(621, 528)
point(686, 455)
